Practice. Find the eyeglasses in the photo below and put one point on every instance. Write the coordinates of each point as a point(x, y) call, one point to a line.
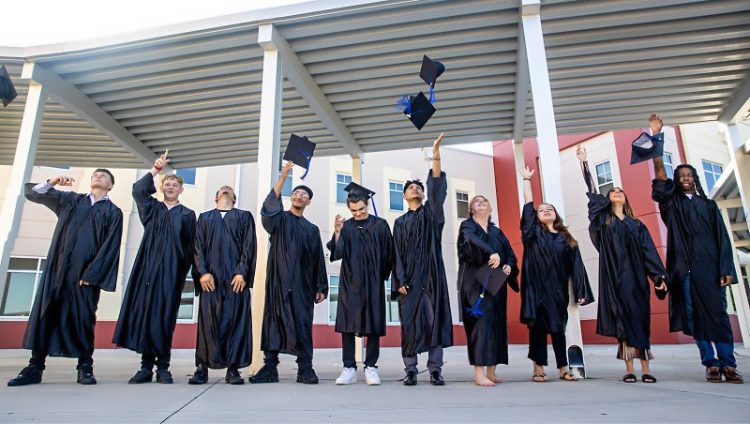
point(301, 194)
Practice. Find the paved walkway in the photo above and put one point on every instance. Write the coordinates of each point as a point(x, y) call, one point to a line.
point(680, 396)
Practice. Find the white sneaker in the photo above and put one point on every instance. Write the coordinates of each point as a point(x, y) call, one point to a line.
point(372, 377)
point(348, 376)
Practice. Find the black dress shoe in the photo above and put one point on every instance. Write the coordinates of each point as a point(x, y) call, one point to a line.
point(142, 376)
point(307, 376)
point(267, 374)
point(29, 375)
point(233, 376)
point(410, 379)
point(200, 376)
point(164, 376)
point(436, 379)
point(86, 375)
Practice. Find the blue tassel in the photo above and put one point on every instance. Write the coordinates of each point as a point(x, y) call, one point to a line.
point(374, 208)
point(307, 168)
point(474, 309)
point(432, 94)
point(404, 104)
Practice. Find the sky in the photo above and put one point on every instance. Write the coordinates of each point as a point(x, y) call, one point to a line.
point(37, 22)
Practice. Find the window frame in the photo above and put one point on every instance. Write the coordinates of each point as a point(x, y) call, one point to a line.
point(400, 195)
point(38, 272)
point(715, 176)
point(611, 176)
point(458, 210)
point(345, 183)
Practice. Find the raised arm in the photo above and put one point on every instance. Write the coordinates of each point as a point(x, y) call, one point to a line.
point(45, 193)
point(655, 123)
point(436, 168)
point(282, 178)
point(526, 174)
point(587, 177)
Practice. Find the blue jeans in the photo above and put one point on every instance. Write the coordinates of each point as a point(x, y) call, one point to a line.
point(725, 351)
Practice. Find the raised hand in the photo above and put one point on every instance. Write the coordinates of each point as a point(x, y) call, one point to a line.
point(161, 162)
point(436, 143)
point(286, 168)
point(338, 224)
point(62, 180)
point(655, 123)
point(527, 173)
point(581, 153)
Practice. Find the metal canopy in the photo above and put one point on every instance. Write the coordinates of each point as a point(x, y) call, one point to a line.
point(195, 88)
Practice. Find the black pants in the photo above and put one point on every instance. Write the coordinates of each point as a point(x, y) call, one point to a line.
point(538, 346)
point(148, 360)
point(372, 351)
point(304, 359)
point(38, 358)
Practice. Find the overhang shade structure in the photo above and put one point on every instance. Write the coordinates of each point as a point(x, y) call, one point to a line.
point(195, 88)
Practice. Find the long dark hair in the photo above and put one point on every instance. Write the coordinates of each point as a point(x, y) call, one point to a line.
point(626, 208)
point(698, 187)
point(558, 225)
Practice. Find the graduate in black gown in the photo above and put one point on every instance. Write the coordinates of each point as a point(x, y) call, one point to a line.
point(152, 298)
point(700, 263)
point(83, 259)
point(627, 259)
point(365, 247)
point(480, 243)
point(225, 254)
point(419, 279)
point(296, 280)
point(551, 258)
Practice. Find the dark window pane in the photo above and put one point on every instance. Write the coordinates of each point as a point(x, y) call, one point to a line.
point(22, 264)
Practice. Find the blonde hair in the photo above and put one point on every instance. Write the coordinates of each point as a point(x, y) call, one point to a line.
point(173, 177)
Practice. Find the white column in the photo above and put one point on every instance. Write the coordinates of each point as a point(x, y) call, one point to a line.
point(520, 164)
point(23, 163)
point(357, 178)
point(546, 130)
point(741, 162)
point(268, 165)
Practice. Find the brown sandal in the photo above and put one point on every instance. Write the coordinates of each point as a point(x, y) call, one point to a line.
point(566, 376)
point(539, 378)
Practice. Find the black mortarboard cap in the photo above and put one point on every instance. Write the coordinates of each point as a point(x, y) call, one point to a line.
point(418, 109)
point(647, 147)
point(7, 90)
point(300, 151)
point(431, 70)
point(356, 190)
point(490, 279)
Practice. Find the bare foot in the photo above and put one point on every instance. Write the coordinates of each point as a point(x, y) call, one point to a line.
point(484, 382)
point(494, 378)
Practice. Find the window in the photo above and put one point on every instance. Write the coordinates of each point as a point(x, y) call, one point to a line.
point(187, 310)
point(712, 171)
point(20, 286)
point(333, 297)
point(604, 180)
point(286, 189)
point(391, 304)
point(462, 205)
point(188, 174)
point(396, 196)
point(342, 180)
point(668, 164)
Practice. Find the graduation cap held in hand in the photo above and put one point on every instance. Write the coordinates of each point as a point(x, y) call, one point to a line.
point(417, 108)
point(491, 280)
point(431, 70)
point(300, 151)
point(647, 147)
point(7, 90)
point(356, 191)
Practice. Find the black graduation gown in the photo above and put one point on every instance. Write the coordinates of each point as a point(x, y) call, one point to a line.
point(85, 246)
point(627, 257)
point(296, 272)
point(365, 249)
point(225, 247)
point(152, 299)
point(697, 243)
point(487, 335)
point(425, 311)
point(549, 262)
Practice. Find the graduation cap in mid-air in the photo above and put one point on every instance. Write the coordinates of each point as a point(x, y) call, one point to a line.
point(357, 191)
point(7, 90)
point(491, 280)
point(417, 108)
point(300, 151)
point(647, 147)
point(431, 70)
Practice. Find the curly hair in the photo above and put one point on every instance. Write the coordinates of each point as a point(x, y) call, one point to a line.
point(698, 187)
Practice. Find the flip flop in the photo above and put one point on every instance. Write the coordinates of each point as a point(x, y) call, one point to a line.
point(539, 378)
point(629, 378)
point(648, 378)
point(566, 376)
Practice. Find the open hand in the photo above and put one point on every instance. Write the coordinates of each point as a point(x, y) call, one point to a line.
point(655, 123)
point(527, 173)
point(238, 283)
point(207, 283)
point(286, 168)
point(494, 261)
